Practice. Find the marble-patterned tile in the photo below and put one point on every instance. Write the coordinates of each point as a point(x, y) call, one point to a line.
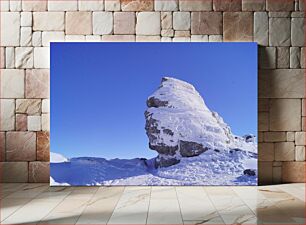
point(9, 206)
point(132, 207)
point(164, 206)
point(211, 219)
point(195, 204)
point(296, 190)
point(248, 192)
point(100, 208)
point(32, 212)
point(29, 191)
point(9, 188)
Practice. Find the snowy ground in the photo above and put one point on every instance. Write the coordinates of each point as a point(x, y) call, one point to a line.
point(210, 168)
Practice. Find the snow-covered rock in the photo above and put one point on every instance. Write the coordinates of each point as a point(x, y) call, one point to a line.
point(179, 124)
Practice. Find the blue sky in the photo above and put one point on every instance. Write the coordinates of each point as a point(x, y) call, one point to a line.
point(99, 91)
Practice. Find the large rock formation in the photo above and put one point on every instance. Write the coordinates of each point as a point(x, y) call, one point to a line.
point(179, 124)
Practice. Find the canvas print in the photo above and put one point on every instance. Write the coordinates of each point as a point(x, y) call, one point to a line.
point(153, 114)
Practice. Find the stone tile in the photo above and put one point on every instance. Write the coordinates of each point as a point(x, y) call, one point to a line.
point(102, 22)
point(166, 39)
point(284, 151)
point(10, 28)
point(275, 136)
point(147, 38)
point(301, 5)
point(45, 122)
point(181, 20)
point(124, 22)
point(34, 123)
point(75, 38)
point(297, 32)
point(39, 172)
point(34, 5)
point(14, 172)
point(20, 146)
point(169, 5)
point(263, 121)
point(227, 5)
point(57, 5)
point(41, 57)
point(15, 6)
point(215, 38)
point(199, 38)
point(91, 5)
point(46, 105)
point(48, 21)
point(199, 5)
point(21, 122)
point(253, 5)
point(4, 5)
point(28, 106)
point(206, 23)
point(37, 39)
point(261, 28)
point(2, 57)
point(24, 57)
point(143, 27)
point(285, 115)
point(302, 58)
point(263, 105)
point(295, 57)
point(166, 20)
point(167, 33)
point(290, 136)
point(25, 36)
point(267, 57)
point(43, 146)
point(52, 36)
point(303, 107)
point(264, 173)
point(280, 5)
point(7, 114)
point(2, 146)
point(279, 14)
point(279, 33)
point(78, 23)
point(37, 83)
point(93, 38)
point(26, 19)
point(260, 136)
point(298, 14)
point(181, 39)
point(182, 33)
point(137, 5)
point(118, 38)
point(12, 83)
point(300, 153)
point(9, 57)
point(300, 138)
point(281, 83)
point(293, 172)
point(112, 5)
point(265, 152)
point(238, 26)
point(277, 174)
point(283, 57)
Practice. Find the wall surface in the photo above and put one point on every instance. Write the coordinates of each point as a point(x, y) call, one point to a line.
point(28, 26)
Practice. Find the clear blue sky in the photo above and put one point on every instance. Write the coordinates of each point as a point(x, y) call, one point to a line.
point(99, 91)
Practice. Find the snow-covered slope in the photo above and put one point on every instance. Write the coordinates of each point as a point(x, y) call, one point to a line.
point(179, 124)
point(57, 158)
point(209, 168)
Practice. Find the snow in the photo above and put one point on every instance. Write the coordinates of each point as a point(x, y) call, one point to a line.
point(57, 158)
point(191, 120)
point(209, 168)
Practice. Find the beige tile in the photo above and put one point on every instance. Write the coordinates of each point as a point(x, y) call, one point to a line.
point(132, 207)
point(100, 208)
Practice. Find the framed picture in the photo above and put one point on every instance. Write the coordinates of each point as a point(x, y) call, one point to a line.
point(153, 114)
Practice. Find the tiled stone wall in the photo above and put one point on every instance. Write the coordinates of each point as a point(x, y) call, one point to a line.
point(28, 26)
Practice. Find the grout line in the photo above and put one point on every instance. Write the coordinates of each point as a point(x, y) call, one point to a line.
point(149, 205)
